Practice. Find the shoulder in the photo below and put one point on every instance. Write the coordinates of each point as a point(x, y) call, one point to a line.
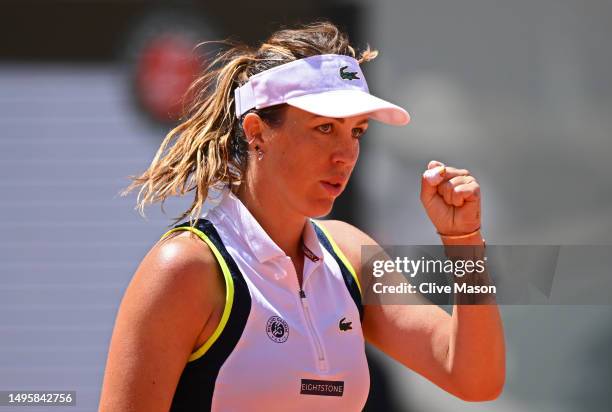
point(345, 234)
point(177, 279)
point(179, 263)
point(349, 239)
point(181, 250)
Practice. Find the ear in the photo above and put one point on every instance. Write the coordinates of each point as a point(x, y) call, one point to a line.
point(253, 127)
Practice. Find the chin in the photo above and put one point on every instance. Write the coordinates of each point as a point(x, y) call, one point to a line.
point(320, 207)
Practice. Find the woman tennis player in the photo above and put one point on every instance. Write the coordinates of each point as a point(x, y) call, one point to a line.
point(257, 306)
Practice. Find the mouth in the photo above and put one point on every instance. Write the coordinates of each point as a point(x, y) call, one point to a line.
point(334, 188)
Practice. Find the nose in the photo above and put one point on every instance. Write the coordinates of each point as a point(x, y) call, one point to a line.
point(346, 151)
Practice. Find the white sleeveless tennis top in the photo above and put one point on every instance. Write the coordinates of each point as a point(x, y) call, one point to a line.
point(277, 348)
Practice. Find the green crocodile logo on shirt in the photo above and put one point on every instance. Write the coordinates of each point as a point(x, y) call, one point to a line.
point(347, 75)
point(344, 326)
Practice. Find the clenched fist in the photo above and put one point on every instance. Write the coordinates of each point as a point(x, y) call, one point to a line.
point(451, 198)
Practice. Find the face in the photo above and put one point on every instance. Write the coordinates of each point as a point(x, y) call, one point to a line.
point(308, 159)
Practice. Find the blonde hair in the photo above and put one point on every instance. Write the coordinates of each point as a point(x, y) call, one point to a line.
point(208, 148)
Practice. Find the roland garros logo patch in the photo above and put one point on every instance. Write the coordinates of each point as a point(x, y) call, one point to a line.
point(277, 329)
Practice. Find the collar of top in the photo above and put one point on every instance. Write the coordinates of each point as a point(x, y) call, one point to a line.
point(244, 224)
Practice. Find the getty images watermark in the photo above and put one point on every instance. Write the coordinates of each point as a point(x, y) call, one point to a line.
point(501, 274)
point(412, 268)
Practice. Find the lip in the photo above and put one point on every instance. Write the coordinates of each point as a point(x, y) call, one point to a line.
point(332, 189)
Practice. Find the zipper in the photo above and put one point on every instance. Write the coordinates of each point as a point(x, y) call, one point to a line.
point(315, 341)
point(321, 362)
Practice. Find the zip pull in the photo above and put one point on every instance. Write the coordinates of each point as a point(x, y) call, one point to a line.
point(302, 294)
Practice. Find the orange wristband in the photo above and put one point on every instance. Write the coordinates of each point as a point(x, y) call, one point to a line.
point(459, 236)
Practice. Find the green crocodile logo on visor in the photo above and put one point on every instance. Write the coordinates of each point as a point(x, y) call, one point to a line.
point(347, 75)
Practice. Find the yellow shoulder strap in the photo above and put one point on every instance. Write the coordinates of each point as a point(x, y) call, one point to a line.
point(229, 290)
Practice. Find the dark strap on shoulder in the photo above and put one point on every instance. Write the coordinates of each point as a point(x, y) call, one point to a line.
point(349, 280)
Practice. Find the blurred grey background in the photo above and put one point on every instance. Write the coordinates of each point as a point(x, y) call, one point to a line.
point(518, 92)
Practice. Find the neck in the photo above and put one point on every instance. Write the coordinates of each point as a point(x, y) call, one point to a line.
point(284, 227)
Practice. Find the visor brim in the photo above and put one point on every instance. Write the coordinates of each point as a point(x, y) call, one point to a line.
point(348, 103)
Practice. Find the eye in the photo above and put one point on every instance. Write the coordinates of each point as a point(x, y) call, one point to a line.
point(358, 132)
point(325, 128)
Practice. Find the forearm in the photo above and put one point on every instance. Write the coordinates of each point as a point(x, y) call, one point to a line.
point(476, 353)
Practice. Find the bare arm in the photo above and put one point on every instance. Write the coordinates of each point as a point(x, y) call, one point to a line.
point(463, 354)
point(166, 307)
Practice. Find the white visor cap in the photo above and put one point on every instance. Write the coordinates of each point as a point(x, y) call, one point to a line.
point(328, 85)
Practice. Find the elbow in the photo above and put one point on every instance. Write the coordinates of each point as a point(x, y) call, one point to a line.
point(482, 391)
point(482, 382)
point(481, 394)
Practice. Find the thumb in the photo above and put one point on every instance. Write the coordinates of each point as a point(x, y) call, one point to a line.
point(434, 163)
point(430, 180)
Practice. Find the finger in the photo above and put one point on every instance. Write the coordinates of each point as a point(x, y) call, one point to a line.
point(457, 198)
point(452, 172)
point(461, 180)
point(468, 192)
point(438, 174)
point(430, 179)
point(445, 189)
point(464, 193)
point(435, 170)
point(435, 175)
